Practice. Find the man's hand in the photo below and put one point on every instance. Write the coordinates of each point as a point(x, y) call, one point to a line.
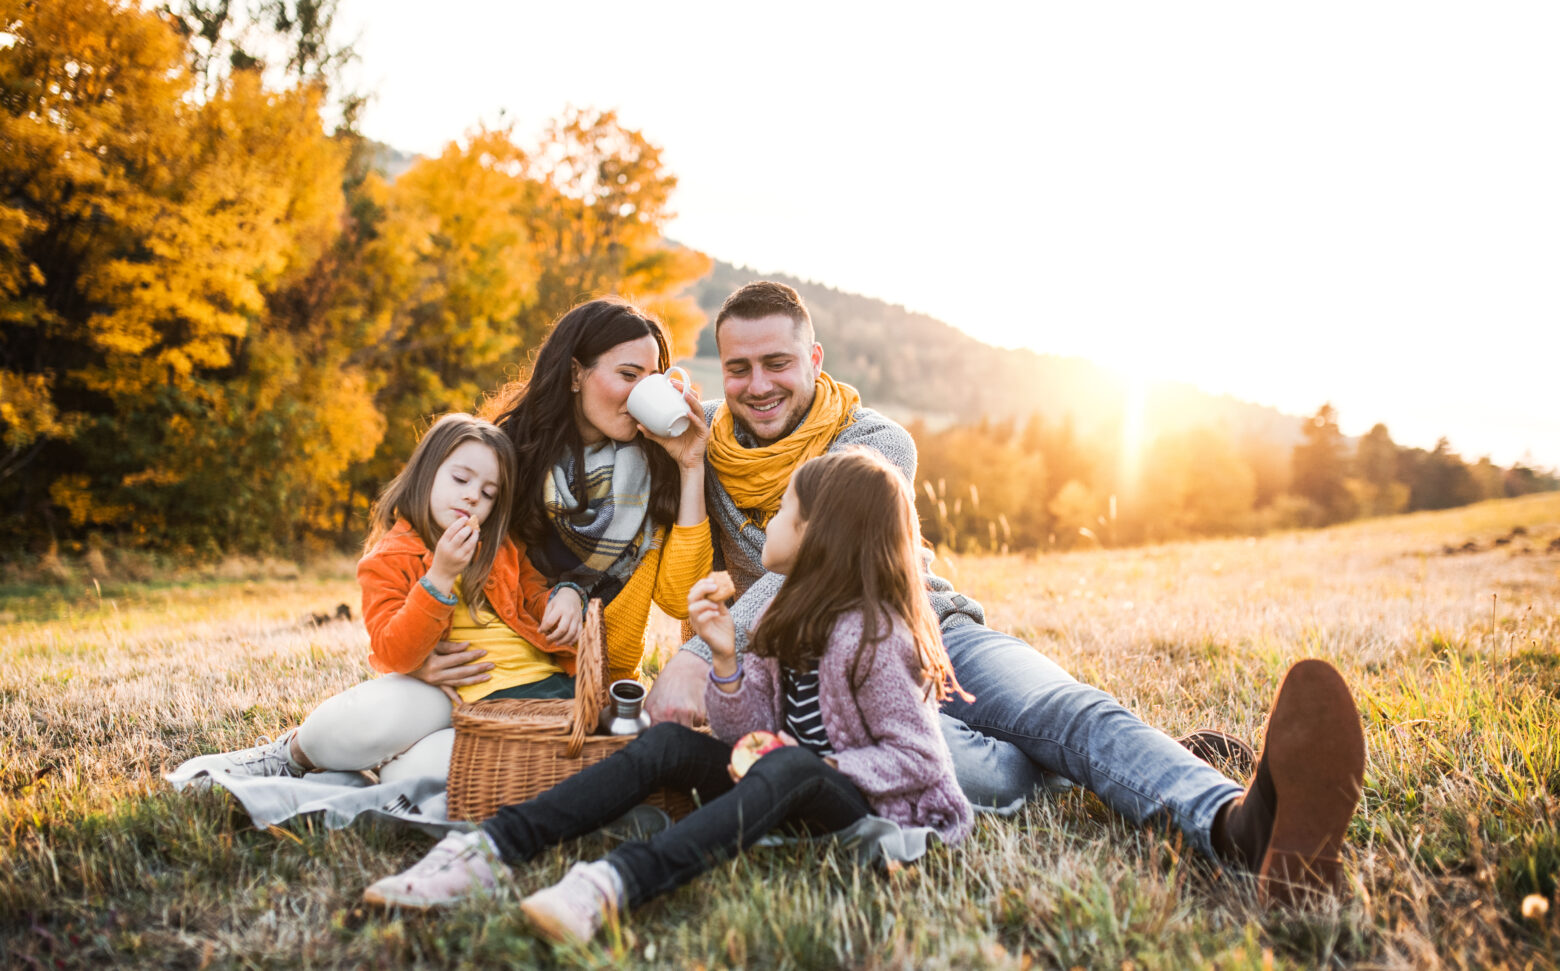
point(453, 664)
point(562, 620)
point(678, 692)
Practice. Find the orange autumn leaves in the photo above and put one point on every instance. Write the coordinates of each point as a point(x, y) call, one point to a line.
point(220, 328)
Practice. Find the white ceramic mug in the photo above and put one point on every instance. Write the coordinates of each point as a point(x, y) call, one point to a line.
point(658, 405)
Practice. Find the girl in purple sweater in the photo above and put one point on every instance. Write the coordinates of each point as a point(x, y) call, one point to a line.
point(847, 661)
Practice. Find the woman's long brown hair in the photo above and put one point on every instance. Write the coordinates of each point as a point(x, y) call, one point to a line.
point(861, 551)
point(537, 412)
point(408, 496)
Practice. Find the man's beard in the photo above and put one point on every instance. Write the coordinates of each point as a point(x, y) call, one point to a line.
point(793, 418)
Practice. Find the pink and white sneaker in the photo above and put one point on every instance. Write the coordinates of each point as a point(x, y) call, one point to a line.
point(462, 865)
point(572, 910)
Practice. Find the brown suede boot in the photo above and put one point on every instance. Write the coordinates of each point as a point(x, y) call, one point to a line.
point(1288, 826)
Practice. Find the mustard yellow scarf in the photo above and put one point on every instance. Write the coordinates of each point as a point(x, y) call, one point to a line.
point(756, 478)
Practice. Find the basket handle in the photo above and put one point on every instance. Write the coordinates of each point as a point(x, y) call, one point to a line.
point(590, 679)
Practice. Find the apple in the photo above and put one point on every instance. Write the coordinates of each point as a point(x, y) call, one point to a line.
point(752, 747)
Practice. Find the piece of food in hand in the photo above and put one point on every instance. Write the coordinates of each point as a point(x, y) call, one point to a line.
point(725, 589)
point(752, 747)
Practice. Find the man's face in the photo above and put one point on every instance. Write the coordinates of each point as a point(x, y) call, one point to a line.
point(770, 373)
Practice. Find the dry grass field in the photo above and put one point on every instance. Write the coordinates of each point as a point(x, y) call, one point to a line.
point(1454, 657)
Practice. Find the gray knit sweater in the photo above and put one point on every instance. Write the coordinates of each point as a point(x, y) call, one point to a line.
point(739, 544)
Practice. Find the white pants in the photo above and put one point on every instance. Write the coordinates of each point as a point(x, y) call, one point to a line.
point(394, 723)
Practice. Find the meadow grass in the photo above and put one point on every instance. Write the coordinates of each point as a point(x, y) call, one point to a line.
point(1455, 661)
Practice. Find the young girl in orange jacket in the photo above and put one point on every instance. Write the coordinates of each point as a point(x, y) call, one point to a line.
point(439, 566)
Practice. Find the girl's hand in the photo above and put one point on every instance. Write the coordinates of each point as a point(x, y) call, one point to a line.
point(688, 448)
point(712, 621)
point(563, 619)
point(454, 552)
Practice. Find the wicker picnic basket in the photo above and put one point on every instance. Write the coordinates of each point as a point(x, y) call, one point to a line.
point(509, 751)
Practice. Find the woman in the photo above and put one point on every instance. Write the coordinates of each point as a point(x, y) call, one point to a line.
point(599, 512)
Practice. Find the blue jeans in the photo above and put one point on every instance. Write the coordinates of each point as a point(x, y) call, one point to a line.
point(1031, 721)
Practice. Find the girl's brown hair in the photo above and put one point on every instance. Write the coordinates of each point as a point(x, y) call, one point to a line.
point(861, 551)
point(408, 496)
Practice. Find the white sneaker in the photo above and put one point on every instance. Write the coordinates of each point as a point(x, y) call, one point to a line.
point(460, 866)
point(573, 909)
point(269, 758)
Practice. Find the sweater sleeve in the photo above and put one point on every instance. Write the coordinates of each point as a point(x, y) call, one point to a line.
point(751, 708)
point(907, 740)
point(687, 559)
point(534, 589)
point(404, 620)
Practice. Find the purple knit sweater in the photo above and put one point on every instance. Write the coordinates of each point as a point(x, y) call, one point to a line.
point(884, 733)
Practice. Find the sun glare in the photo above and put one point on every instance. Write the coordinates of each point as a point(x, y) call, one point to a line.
point(1135, 381)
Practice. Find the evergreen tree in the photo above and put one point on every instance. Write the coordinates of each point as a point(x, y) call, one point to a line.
point(1320, 466)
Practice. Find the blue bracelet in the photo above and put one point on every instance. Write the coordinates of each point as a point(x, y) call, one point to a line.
point(433, 591)
point(731, 680)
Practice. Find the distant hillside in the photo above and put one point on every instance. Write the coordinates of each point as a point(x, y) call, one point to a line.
point(909, 361)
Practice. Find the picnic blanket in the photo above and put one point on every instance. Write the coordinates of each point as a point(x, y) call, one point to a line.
point(340, 799)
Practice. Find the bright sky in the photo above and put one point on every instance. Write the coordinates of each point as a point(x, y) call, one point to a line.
point(1290, 203)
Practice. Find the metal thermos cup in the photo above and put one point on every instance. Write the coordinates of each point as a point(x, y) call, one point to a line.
point(624, 714)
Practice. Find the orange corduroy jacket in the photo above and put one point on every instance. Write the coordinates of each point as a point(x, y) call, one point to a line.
point(405, 621)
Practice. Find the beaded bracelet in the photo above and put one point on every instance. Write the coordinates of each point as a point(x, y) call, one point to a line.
point(731, 680)
point(447, 600)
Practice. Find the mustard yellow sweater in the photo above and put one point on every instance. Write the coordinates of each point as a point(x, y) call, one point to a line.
point(677, 558)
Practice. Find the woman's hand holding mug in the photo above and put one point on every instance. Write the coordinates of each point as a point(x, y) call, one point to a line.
point(669, 414)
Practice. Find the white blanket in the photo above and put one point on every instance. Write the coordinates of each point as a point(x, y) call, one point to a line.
point(342, 798)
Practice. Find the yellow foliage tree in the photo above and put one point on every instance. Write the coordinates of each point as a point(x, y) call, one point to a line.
point(148, 229)
point(442, 283)
point(604, 201)
point(214, 333)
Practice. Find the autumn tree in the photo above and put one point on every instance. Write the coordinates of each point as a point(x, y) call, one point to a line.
point(441, 280)
point(1376, 468)
point(604, 199)
point(1439, 479)
point(1320, 467)
point(147, 230)
point(282, 41)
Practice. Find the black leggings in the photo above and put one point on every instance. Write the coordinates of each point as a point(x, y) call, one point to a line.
point(788, 786)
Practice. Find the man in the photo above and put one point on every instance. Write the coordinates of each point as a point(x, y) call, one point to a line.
point(1028, 717)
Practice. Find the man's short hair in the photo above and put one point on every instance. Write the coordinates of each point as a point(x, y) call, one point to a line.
point(765, 298)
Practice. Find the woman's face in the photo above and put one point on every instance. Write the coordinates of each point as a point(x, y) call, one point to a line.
point(601, 390)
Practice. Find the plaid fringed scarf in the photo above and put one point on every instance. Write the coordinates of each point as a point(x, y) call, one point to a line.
point(605, 541)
